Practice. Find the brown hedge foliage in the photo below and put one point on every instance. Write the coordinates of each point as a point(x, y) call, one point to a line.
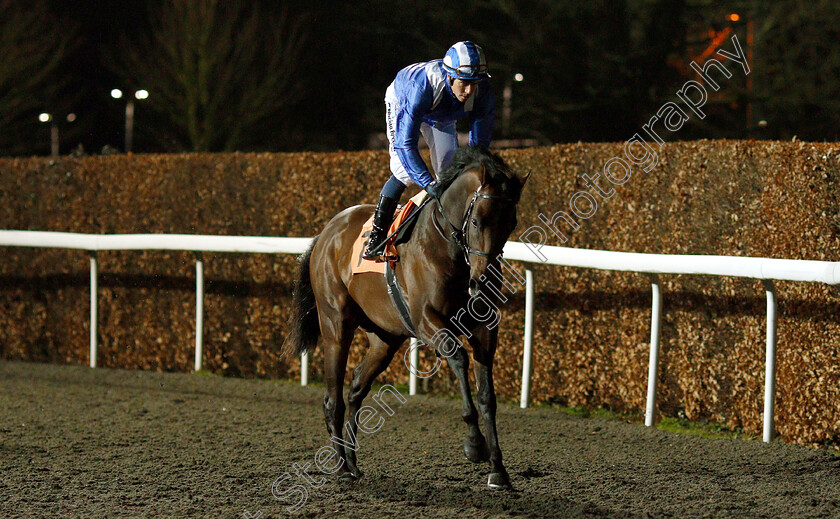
point(709, 197)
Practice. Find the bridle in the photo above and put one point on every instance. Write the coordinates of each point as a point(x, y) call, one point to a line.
point(459, 235)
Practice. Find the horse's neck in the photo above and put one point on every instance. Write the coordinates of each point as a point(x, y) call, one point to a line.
point(435, 234)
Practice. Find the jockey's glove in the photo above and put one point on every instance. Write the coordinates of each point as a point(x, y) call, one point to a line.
point(434, 189)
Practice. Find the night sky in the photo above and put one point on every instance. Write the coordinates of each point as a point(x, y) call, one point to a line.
point(99, 24)
point(595, 71)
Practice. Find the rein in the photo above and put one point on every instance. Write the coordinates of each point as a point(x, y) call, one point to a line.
point(460, 239)
point(459, 235)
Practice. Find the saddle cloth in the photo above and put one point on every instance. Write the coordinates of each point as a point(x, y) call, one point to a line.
point(361, 265)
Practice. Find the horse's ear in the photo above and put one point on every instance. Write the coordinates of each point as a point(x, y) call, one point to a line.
point(524, 179)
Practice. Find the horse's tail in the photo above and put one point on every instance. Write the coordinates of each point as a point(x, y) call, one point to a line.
point(305, 328)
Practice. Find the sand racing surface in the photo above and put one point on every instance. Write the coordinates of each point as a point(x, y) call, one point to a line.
point(82, 442)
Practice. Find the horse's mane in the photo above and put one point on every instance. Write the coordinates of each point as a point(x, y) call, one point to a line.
point(495, 168)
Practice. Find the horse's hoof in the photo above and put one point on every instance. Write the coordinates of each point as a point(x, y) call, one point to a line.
point(346, 477)
point(476, 452)
point(352, 469)
point(499, 481)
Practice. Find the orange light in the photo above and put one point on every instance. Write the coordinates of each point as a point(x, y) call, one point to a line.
point(734, 17)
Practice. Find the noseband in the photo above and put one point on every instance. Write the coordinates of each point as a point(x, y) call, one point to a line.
point(459, 235)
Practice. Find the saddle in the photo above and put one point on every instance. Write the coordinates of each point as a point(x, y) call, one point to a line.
point(398, 232)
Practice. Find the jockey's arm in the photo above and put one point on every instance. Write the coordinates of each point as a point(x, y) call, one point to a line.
point(482, 117)
point(407, 136)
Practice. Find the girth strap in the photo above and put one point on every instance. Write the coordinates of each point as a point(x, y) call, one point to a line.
point(397, 298)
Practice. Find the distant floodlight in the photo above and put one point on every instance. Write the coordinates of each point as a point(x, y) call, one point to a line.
point(71, 118)
point(45, 117)
point(116, 93)
point(762, 123)
point(141, 94)
point(734, 17)
point(518, 77)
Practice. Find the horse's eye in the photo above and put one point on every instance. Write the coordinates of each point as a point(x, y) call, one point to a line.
point(474, 222)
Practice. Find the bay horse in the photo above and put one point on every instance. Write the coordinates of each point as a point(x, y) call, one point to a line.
point(455, 239)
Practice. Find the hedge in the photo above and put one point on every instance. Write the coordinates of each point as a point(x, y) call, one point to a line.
point(741, 198)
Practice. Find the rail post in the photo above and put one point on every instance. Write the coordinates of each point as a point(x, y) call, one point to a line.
point(199, 311)
point(94, 309)
point(770, 362)
point(653, 363)
point(413, 361)
point(529, 339)
point(304, 368)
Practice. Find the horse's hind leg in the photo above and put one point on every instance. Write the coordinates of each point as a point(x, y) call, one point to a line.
point(336, 336)
point(377, 358)
point(475, 447)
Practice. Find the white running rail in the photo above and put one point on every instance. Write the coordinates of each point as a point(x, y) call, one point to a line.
point(766, 269)
point(177, 242)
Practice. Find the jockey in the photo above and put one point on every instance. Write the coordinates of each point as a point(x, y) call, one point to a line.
point(429, 98)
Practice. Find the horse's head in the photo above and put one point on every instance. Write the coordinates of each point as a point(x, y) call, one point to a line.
point(489, 193)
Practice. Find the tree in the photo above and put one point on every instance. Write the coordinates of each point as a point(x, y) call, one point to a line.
point(216, 71)
point(592, 70)
point(796, 69)
point(32, 48)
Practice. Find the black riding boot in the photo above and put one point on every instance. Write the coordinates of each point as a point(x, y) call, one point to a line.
point(381, 221)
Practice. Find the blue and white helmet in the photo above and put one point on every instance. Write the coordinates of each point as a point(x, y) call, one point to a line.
point(465, 60)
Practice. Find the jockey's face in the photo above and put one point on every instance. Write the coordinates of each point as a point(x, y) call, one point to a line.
point(463, 89)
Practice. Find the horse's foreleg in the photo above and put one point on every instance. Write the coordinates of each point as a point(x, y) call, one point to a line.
point(484, 351)
point(377, 358)
point(475, 447)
